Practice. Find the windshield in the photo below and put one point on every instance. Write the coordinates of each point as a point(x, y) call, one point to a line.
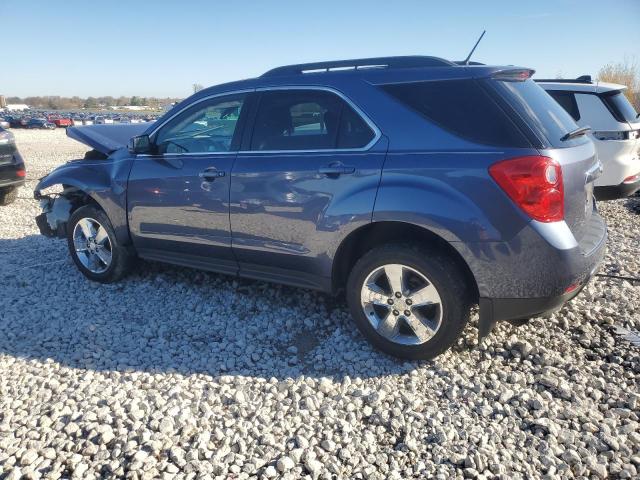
point(620, 106)
point(540, 111)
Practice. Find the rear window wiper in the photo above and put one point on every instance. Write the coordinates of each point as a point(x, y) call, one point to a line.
point(575, 133)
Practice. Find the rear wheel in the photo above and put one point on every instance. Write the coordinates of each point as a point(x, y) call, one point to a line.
point(8, 195)
point(410, 303)
point(94, 248)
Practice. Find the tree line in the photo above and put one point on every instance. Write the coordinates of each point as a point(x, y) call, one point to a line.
point(74, 103)
point(626, 73)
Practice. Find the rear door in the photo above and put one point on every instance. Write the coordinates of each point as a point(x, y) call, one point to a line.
point(178, 198)
point(311, 166)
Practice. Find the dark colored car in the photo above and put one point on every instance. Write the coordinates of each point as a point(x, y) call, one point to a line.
point(415, 185)
point(12, 171)
point(19, 122)
point(41, 123)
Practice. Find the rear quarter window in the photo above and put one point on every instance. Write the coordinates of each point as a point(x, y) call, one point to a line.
point(567, 100)
point(462, 107)
point(539, 110)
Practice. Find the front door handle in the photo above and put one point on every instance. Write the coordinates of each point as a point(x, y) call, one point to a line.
point(336, 169)
point(210, 174)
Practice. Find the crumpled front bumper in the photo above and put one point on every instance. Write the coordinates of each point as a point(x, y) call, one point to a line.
point(52, 222)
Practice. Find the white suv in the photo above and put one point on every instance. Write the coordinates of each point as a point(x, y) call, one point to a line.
point(615, 130)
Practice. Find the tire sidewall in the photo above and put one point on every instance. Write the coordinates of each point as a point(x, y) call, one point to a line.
point(446, 278)
point(8, 195)
point(89, 211)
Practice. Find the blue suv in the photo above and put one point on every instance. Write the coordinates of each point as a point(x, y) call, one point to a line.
point(415, 185)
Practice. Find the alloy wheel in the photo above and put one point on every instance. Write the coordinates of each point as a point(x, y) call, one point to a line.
point(401, 304)
point(92, 245)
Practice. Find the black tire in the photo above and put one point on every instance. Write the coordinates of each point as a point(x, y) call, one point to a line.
point(121, 257)
point(445, 275)
point(8, 195)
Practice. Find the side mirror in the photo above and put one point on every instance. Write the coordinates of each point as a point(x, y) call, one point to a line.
point(139, 144)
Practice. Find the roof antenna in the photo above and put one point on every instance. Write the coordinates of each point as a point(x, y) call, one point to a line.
point(466, 60)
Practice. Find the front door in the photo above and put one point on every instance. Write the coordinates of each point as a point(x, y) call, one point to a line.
point(178, 197)
point(310, 170)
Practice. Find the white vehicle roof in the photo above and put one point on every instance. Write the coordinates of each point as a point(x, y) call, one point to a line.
point(580, 86)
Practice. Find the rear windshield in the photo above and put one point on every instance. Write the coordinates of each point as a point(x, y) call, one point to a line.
point(462, 107)
point(619, 106)
point(540, 111)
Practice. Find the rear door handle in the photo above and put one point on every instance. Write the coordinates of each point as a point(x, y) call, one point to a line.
point(336, 169)
point(211, 174)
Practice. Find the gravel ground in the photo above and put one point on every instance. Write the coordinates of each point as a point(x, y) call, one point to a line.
point(175, 373)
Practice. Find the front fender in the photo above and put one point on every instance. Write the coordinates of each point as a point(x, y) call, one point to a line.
point(104, 181)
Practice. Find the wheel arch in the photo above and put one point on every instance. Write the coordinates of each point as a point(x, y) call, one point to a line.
point(86, 181)
point(363, 239)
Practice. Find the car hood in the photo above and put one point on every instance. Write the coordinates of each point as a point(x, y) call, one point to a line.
point(106, 138)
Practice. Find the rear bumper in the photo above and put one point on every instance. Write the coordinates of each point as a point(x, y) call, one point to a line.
point(535, 277)
point(9, 175)
point(613, 192)
point(493, 310)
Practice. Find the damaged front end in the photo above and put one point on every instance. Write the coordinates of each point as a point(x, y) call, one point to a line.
point(99, 179)
point(56, 210)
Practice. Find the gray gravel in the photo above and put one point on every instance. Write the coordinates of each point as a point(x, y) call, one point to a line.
point(175, 373)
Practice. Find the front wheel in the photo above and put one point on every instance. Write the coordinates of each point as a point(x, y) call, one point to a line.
point(94, 247)
point(408, 302)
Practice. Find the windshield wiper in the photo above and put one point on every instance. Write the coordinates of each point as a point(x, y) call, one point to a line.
point(575, 133)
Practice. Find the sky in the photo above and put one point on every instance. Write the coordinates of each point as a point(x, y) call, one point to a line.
point(160, 48)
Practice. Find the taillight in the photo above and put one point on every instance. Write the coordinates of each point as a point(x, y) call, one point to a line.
point(534, 183)
point(632, 178)
point(21, 173)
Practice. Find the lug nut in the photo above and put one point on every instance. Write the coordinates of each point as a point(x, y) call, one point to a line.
point(409, 301)
point(398, 294)
point(396, 313)
point(407, 313)
point(390, 301)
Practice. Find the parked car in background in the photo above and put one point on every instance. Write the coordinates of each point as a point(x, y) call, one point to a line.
point(4, 123)
point(62, 122)
point(41, 123)
point(615, 130)
point(12, 169)
point(101, 120)
point(19, 122)
point(416, 186)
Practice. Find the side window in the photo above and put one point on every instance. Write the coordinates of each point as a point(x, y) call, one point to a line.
point(567, 100)
point(209, 126)
point(354, 131)
point(307, 120)
point(461, 107)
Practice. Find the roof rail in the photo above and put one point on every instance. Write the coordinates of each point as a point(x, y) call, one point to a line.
point(580, 79)
point(360, 64)
point(464, 63)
